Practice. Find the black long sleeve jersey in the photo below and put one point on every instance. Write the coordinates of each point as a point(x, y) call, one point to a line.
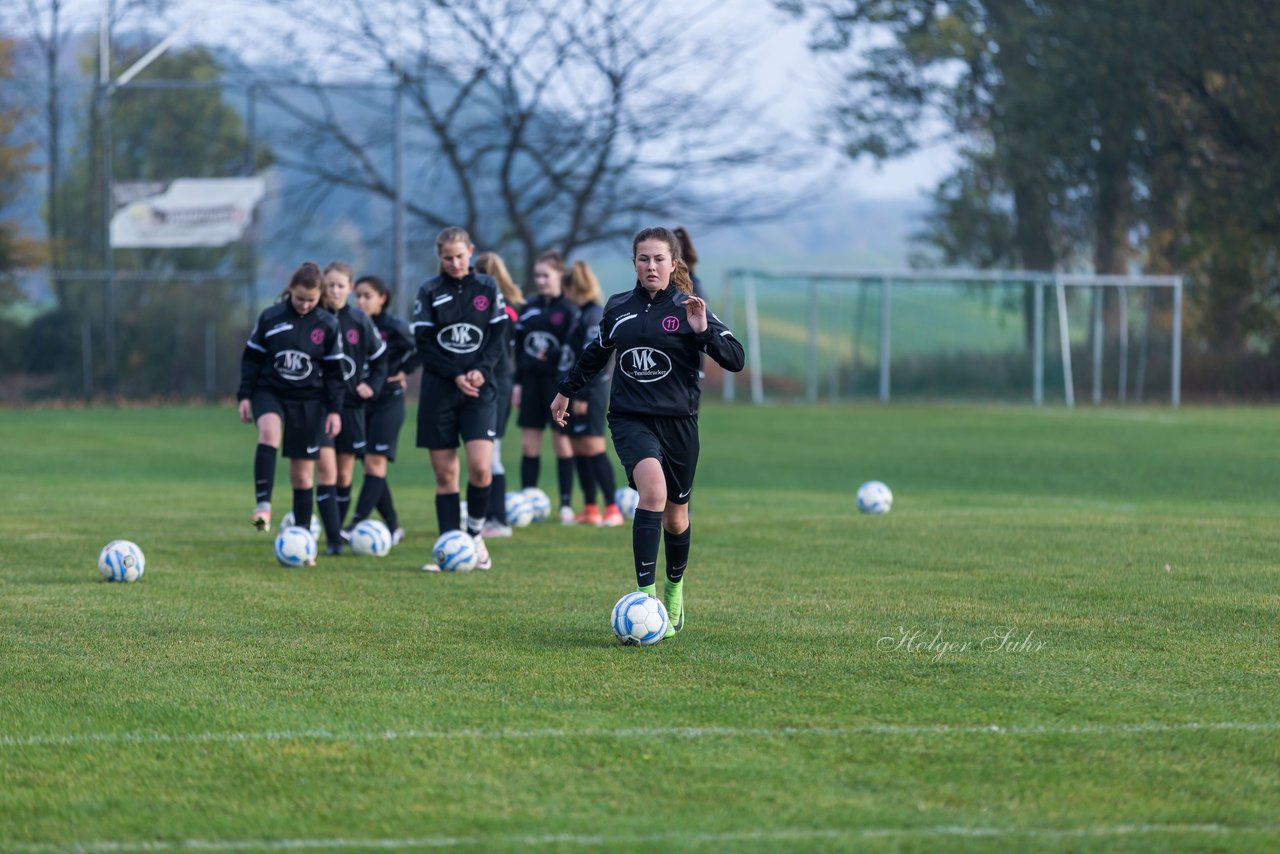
point(296, 356)
point(455, 325)
point(402, 353)
point(583, 332)
point(363, 352)
point(657, 354)
point(541, 335)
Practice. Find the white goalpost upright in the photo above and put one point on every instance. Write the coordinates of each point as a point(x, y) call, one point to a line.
point(806, 322)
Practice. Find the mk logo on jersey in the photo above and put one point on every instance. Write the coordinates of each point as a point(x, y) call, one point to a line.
point(461, 338)
point(293, 365)
point(645, 364)
point(540, 345)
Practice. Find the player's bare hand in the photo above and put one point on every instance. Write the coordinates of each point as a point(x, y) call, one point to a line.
point(399, 378)
point(364, 390)
point(696, 308)
point(476, 377)
point(560, 410)
point(332, 425)
point(246, 412)
point(464, 385)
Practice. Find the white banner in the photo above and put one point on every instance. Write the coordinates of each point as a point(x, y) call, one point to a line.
point(188, 212)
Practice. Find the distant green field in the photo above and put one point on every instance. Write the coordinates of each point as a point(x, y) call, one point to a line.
point(1061, 638)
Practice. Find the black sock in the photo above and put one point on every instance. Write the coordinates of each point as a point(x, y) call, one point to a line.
point(529, 471)
point(677, 554)
point(387, 508)
point(564, 472)
point(327, 504)
point(646, 531)
point(302, 501)
point(477, 506)
point(344, 503)
point(497, 498)
point(264, 472)
point(604, 476)
point(449, 512)
point(586, 477)
point(370, 495)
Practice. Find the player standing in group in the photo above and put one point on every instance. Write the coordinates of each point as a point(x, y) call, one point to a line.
point(586, 433)
point(491, 263)
point(364, 371)
point(541, 357)
point(384, 412)
point(456, 323)
point(658, 330)
point(291, 387)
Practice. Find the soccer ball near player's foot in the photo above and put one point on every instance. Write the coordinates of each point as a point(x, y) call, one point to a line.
point(874, 498)
point(370, 537)
point(296, 547)
point(519, 509)
point(455, 551)
point(121, 560)
point(540, 503)
point(639, 618)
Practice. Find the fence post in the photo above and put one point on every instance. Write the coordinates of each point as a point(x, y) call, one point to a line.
point(1037, 345)
point(86, 358)
point(1122, 294)
point(886, 292)
point(1098, 293)
point(1175, 380)
point(1064, 340)
point(210, 359)
point(753, 342)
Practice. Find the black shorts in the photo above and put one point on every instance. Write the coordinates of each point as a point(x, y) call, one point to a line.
point(351, 439)
point(591, 424)
point(445, 414)
point(383, 419)
point(303, 422)
point(502, 387)
point(673, 441)
point(536, 394)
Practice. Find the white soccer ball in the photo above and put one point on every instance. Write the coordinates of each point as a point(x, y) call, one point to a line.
point(639, 618)
point(370, 537)
point(519, 509)
point(295, 547)
point(874, 498)
point(540, 502)
point(288, 522)
point(455, 551)
point(628, 500)
point(121, 560)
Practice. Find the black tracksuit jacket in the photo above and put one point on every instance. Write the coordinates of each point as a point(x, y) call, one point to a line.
point(295, 356)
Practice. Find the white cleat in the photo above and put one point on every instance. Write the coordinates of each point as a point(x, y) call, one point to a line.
point(396, 536)
point(567, 516)
point(483, 561)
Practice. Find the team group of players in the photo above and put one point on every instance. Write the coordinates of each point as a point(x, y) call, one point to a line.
point(325, 381)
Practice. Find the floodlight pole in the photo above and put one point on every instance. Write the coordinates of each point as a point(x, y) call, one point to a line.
point(1037, 345)
point(886, 296)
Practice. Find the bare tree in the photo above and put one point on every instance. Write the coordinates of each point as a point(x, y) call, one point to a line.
point(557, 123)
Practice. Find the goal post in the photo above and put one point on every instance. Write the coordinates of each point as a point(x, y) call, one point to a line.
point(946, 333)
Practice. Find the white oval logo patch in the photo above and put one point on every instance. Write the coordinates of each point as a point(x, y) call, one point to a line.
point(460, 338)
point(540, 345)
point(348, 367)
point(645, 364)
point(293, 365)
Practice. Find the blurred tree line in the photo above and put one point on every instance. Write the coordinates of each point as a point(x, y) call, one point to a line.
point(1093, 136)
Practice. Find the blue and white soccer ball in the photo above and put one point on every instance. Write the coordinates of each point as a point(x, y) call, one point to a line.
point(288, 522)
point(874, 498)
point(540, 502)
point(455, 551)
point(370, 537)
point(628, 500)
point(295, 547)
point(639, 618)
point(121, 560)
point(519, 509)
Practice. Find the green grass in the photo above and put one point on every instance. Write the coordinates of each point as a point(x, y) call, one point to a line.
point(227, 702)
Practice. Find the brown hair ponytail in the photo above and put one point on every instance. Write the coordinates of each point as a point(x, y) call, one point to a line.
point(681, 279)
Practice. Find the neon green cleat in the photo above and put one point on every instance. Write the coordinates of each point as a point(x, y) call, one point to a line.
point(673, 598)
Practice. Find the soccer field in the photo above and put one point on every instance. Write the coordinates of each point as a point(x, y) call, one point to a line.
point(1062, 637)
